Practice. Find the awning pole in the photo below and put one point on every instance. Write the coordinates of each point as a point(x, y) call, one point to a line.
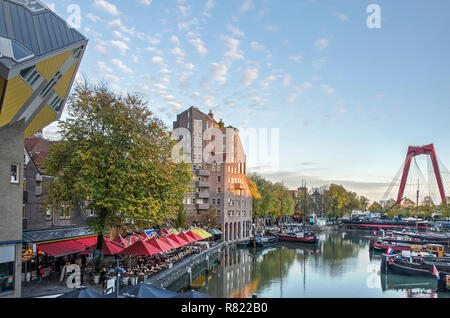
point(117, 276)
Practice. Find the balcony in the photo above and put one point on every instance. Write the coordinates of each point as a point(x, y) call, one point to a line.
point(202, 184)
point(203, 173)
point(202, 206)
point(202, 195)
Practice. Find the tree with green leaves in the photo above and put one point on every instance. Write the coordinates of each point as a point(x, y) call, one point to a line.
point(375, 207)
point(364, 202)
point(114, 157)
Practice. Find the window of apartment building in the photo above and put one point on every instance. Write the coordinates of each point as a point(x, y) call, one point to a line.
point(49, 212)
point(219, 190)
point(15, 173)
point(214, 201)
point(194, 201)
point(219, 167)
point(218, 212)
point(7, 256)
point(89, 213)
point(24, 211)
point(51, 84)
point(38, 187)
point(219, 178)
point(218, 201)
point(238, 202)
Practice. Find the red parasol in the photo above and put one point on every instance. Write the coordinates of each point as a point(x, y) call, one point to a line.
point(186, 237)
point(172, 243)
point(141, 248)
point(160, 244)
point(111, 247)
point(194, 236)
point(178, 239)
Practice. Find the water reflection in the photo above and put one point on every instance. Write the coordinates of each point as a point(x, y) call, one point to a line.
point(339, 266)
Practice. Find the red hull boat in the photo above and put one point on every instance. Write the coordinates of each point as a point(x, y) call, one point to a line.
point(396, 248)
point(299, 238)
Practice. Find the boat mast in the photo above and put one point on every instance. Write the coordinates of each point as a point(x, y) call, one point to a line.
point(281, 211)
point(417, 206)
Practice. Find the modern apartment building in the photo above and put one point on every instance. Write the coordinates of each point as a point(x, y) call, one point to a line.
point(219, 166)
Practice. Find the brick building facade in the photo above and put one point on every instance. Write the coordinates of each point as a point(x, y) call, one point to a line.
point(219, 181)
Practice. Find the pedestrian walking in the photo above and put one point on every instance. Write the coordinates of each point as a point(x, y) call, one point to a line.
point(39, 274)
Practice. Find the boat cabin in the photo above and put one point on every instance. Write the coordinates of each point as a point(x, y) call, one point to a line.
point(436, 249)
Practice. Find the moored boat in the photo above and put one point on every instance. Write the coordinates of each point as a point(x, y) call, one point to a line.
point(263, 241)
point(382, 246)
point(299, 237)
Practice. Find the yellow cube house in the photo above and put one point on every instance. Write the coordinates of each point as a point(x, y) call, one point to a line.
point(39, 58)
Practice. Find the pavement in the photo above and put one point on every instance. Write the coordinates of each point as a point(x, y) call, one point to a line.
point(51, 286)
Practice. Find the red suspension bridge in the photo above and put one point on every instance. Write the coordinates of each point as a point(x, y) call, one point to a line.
point(410, 181)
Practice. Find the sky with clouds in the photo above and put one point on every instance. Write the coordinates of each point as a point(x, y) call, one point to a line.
point(347, 100)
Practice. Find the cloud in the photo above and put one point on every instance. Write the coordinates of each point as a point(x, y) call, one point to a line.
point(121, 66)
point(256, 46)
point(174, 39)
point(319, 63)
point(146, 2)
point(272, 28)
point(199, 45)
point(250, 75)
point(296, 59)
point(326, 89)
point(118, 23)
point(287, 80)
point(291, 99)
point(103, 67)
point(247, 5)
point(321, 44)
point(234, 52)
point(106, 6)
point(159, 60)
point(268, 80)
point(341, 16)
point(178, 52)
point(209, 5)
point(185, 10)
point(93, 17)
point(122, 46)
point(100, 48)
point(219, 72)
point(235, 31)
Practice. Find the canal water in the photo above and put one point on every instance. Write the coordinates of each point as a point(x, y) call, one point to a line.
point(340, 265)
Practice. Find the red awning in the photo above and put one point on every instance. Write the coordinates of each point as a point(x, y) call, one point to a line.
point(170, 242)
point(120, 240)
point(63, 248)
point(186, 237)
point(178, 239)
point(194, 236)
point(88, 241)
point(111, 248)
point(160, 244)
point(141, 248)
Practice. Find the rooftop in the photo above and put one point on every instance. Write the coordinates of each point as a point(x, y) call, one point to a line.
point(29, 29)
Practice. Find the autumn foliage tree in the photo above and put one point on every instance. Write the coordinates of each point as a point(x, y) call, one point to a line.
point(114, 157)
